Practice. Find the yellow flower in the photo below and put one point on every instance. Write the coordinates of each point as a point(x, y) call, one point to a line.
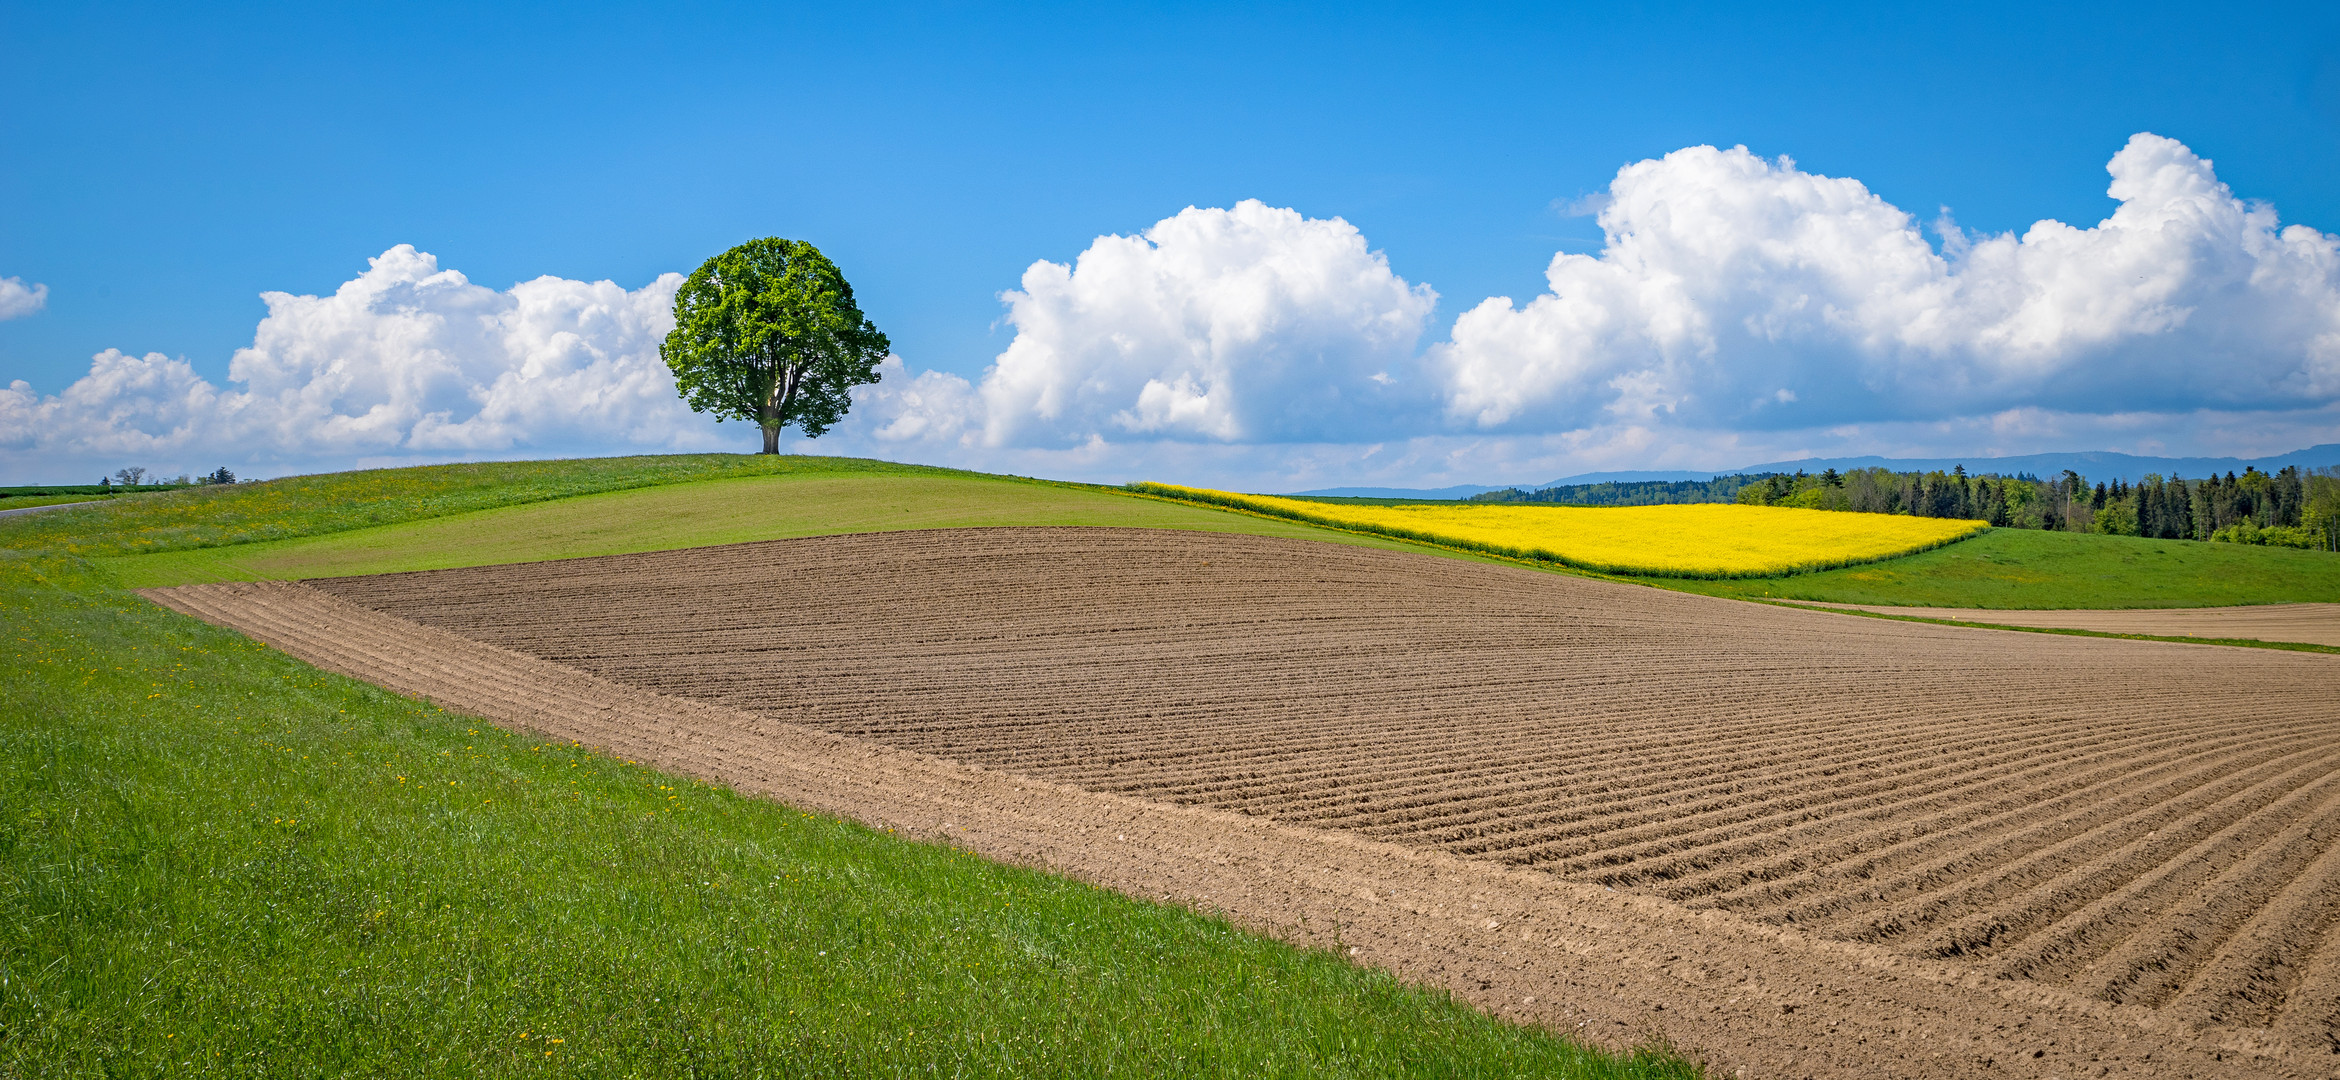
point(1686, 540)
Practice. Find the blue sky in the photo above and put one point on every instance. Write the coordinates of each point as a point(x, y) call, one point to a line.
point(167, 166)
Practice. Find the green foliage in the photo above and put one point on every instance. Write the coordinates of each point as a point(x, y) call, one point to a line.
point(218, 861)
point(768, 331)
point(2320, 507)
point(2158, 507)
point(1721, 489)
point(2118, 519)
point(2292, 536)
point(2029, 568)
point(209, 516)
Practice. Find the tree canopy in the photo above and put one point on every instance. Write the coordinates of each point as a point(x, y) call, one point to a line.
point(768, 331)
point(2286, 508)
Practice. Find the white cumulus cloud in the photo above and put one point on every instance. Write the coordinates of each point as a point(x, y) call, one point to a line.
point(1740, 306)
point(404, 362)
point(934, 408)
point(18, 299)
point(1251, 324)
point(1736, 291)
point(1740, 310)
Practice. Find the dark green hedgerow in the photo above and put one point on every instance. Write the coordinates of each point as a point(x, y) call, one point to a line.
point(216, 860)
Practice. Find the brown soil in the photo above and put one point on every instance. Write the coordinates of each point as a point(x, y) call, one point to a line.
point(2314, 624)
point(1792, 842)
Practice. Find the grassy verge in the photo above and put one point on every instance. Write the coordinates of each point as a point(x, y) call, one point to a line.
point(216, 860)
point(2028, 569)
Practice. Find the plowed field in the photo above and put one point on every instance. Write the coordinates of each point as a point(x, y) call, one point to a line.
point(2147, 826)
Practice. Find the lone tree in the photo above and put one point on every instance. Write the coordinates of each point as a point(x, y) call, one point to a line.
point(768, 332)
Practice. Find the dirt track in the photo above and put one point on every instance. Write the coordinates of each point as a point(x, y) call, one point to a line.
point(2316, 624)
point(1916, 847)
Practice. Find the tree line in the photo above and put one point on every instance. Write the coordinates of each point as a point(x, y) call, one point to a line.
point(2290, 508)
point(1630, 492)
point(134, 478)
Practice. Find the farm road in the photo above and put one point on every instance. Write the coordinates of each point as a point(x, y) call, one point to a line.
point(1838, 847)
point(2314, 624)
point(23, 510)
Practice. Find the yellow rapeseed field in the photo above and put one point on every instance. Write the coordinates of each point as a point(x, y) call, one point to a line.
point(1688, 540)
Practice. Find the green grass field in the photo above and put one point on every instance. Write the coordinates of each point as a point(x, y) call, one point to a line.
point(298, 506)
point(220, 861)
point(468, 515)
point(2006, 568)
point(2026, 568)
point(693, 515)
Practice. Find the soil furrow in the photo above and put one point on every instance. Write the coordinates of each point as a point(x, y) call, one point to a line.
point(1951, 796)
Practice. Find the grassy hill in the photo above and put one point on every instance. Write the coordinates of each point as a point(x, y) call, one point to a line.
point(298, 506)
point(478, 514)
point(697, 513)
point(221, 861)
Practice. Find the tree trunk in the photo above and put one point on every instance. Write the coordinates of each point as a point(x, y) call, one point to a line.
point(776, 403)
point(769, 419)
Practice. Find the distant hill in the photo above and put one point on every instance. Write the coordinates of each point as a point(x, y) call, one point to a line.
point(1634, 477)
point(1463, 491)
point(2096, 465)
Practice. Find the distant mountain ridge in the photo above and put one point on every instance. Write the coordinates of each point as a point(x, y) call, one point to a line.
point(2096, 465)
point(1463, 491)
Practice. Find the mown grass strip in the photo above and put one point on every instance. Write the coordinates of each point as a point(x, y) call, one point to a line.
point(217, 860)
point(1676, 541)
